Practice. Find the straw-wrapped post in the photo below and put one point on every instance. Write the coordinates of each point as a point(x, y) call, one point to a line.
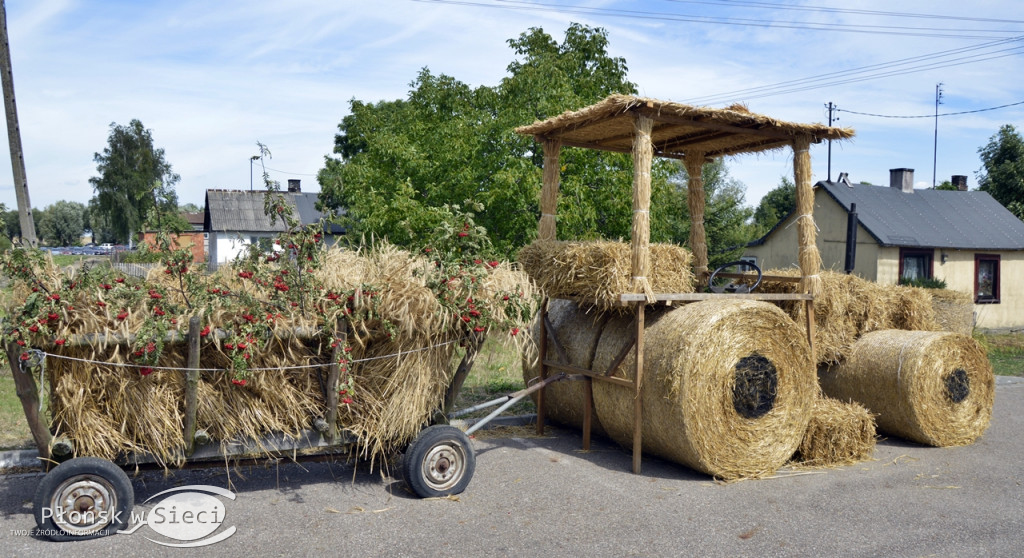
point(728, 385)
point(809, 257)
point(932, 387)
point(643, 152)
point(695, 201)
point(549, 190)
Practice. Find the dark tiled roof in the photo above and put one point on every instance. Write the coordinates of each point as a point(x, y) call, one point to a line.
point(931, 218)
point(242, 210)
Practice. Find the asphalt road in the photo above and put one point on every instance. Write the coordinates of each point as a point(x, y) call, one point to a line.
point(544, 497)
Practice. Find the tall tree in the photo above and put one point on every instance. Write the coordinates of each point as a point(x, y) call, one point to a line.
point(63, 223)
point(134, 180)
point(1002, 171)
point(397, 161)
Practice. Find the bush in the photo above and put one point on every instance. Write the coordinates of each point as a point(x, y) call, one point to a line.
point(923, 282)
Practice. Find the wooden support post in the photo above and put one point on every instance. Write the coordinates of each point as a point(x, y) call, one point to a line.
point(192, 384)
point(549, 190)
point(543, 348)
point(28, 392)
point(638, 390)
point(333, 375)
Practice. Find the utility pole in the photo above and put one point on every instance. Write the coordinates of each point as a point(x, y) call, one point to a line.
point(831, 108)
point(935, 149)
point(28, 226)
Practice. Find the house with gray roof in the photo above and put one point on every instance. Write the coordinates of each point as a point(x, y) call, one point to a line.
point(234, 219)
point(965, 238)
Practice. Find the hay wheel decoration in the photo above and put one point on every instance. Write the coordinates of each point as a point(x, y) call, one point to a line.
point(83, 498)
point(439, 462)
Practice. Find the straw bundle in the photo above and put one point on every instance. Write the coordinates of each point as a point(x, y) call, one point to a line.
point(809, 257)
point(578, 333)
point(935, 388)
point(728, 385)
point(597, 272)
point(840, 433)
point(954, 310)
point(848, 306)
point(401, 336)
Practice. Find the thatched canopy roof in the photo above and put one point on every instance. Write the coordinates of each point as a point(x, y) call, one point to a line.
point(678, 128)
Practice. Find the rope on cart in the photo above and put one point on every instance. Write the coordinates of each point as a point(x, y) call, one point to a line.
point(43, 354)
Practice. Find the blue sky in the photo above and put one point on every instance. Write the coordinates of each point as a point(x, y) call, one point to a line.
point(210, 79)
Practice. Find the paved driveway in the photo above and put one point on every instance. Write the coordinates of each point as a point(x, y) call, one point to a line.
point(543, 497)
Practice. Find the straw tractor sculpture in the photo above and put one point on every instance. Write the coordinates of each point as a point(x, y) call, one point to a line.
point(726, 382)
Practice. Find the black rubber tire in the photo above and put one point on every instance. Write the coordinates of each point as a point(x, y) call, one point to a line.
point(94, 484)
point(439, 462)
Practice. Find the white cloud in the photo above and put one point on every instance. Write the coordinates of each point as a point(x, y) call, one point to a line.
point(210, 79)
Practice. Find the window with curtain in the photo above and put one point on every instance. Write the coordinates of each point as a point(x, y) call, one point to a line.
point(986, 278)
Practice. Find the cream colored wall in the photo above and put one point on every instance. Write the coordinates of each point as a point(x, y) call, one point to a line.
point(780, 249)
point(882, 264)
point(958, 273)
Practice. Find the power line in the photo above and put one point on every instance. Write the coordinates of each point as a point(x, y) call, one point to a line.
point(291, 173)
point(932, 115)
point(524, 5)
point(777, 6)
point(905, 66)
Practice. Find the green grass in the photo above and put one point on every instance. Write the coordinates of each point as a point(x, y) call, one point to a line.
point(1005, 351)
point(498, 371)
point(14, 431)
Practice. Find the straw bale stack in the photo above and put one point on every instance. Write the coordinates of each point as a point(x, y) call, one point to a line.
point(954, 310)
point(848, 306)
point(728, 385)
point(934, 388)
point(597, 272)
point(578, 332)
point(840, 433)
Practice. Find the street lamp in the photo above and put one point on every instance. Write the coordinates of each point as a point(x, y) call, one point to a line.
point(252, 160)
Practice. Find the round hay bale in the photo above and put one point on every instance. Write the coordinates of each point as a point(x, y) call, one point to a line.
point(840, 433)
point(728, 386)
point(932, 387)
point(578, 333)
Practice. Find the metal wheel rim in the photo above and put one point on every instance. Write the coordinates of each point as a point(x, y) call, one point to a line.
point(444, 466)
point(83, 504)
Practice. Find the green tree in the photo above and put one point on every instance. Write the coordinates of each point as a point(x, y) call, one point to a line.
point(62, 223)
point(1002, 171)
point(946, 185)
point(775, 205)
point(727, 225)
point(11, 224)
point(134, 180)
point(396, 161)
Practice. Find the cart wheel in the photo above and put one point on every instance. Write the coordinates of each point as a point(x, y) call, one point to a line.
point(84, 498)
point(439, 462)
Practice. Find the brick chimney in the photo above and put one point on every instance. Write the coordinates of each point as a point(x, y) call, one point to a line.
point(902, 179)
point(294, 185)
point(960, 181)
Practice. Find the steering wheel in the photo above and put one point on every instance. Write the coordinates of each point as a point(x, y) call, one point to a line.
point(733, 287)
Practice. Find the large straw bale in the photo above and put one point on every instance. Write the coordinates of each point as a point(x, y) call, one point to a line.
point(728, 386)
point(954, 310)
point(840, 433)
point(935, 388)
point(578, 333)
point(597, 272)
